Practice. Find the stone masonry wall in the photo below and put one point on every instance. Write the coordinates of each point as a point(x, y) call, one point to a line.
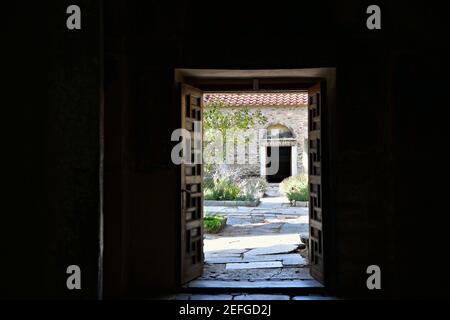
point(294, 118)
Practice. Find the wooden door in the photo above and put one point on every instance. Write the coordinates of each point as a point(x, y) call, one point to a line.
point(316, 256)
point(191, 187)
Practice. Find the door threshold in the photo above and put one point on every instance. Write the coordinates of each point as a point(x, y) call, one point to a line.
point(230, 284)
point(297, 286)
point(245, 296)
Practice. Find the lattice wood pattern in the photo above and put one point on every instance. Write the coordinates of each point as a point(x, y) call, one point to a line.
point(191, 190)
point(315, 183)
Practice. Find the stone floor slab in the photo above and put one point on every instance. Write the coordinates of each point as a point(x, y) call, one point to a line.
point(222, 260)
point(225, 252)
point(218, 272)
point(293, 259)
point(211, 297)
point(254, 265)
point(232, 221)
point(249, 242)
point(261, 297)
point(313, 298)
point(271, 208)
point(290, 259)
point(275, 249)
point(254, 284)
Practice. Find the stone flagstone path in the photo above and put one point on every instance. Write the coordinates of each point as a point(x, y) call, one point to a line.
point(258, 244)
point(246, 296)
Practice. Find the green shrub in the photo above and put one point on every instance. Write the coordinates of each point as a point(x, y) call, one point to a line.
point(213, 224)
point(294, 183)
point(253, 188)
point(302, 195)
point(208, 182)
point(229, 183)
point(208, 194)
point(226, 189)
point(223, 190)
point(295, 188)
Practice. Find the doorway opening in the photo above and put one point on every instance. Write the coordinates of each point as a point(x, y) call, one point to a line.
point(284, 170)
point(253, 219)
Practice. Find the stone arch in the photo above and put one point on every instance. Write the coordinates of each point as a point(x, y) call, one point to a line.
point(280, 131)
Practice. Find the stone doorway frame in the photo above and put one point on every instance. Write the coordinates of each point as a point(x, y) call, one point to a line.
point(286, 142)
point(220, 80)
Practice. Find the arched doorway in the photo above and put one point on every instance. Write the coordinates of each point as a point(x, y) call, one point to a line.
point(278, 145)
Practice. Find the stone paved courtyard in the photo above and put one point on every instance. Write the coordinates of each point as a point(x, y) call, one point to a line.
point(258, 245)
point(246, 296)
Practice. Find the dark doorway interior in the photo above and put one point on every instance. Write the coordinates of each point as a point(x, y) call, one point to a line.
point(284, 170)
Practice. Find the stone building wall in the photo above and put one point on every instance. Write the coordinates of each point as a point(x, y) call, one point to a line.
point(293, 117)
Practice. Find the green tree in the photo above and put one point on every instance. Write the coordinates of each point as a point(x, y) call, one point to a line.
point(218, 116)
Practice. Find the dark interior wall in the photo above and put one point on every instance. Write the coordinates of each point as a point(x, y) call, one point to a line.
point(421, 141)
point(378, 139)
point(389, 137)
point(50, 214)
point(72, 148)
point(140, 226)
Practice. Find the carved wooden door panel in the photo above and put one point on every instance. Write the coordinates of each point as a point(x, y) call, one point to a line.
point(315, 183)
point(191, 187)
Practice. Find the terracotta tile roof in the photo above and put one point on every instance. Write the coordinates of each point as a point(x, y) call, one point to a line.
point(259, 99)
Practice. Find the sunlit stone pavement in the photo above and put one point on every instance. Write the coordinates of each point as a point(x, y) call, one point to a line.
point(258, 243)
